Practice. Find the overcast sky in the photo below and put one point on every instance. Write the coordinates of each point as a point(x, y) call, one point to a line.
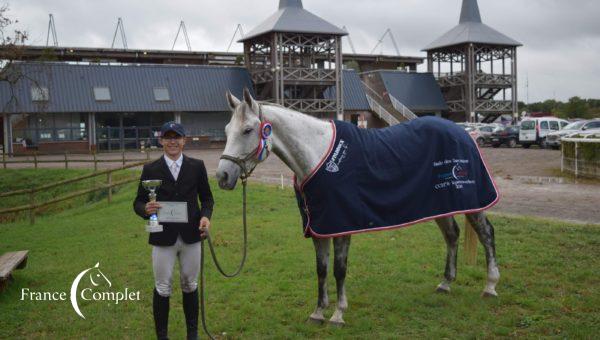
point(560, 56)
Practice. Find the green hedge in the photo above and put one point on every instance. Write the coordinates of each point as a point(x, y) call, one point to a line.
point(587, 151)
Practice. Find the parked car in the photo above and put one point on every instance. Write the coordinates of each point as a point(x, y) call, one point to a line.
point(534, 130)
point(553, 138)
point(476, 134)
point(508, 136)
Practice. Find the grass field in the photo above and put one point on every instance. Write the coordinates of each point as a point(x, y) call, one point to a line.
point(549, 284)
point(19, 179)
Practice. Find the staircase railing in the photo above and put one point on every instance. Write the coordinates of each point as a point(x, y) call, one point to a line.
point(381, 112)
point(404, 111)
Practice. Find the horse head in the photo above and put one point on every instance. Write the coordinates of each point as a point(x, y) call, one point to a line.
point(244, 141)
point(97, 276)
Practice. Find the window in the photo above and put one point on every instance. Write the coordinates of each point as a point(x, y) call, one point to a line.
point(161, 94)
point(554, 125)
point(592, 125)
point(544, 125)
point(528, 125)
point(101, 93)
point(563, 124)
point(45, 127)
point(39, 94)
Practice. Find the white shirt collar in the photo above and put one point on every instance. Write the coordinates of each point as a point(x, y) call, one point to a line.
point(170, 161)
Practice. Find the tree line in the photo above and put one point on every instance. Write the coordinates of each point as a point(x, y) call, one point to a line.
point(575, 107)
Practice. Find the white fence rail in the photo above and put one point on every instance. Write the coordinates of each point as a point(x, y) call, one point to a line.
point(577, 164)
point(381, 112)
point(405, 111)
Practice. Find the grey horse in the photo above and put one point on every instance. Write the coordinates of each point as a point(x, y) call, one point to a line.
point(301, 141)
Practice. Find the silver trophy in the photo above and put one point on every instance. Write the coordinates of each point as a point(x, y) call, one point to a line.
point(152, 185)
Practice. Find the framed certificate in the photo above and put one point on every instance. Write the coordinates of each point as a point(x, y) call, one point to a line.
point(173, 212)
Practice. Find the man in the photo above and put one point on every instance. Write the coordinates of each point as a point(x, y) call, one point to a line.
point(184, 179)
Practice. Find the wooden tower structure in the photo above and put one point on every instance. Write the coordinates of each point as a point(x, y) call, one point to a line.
point(295, 59)
point(476, 68)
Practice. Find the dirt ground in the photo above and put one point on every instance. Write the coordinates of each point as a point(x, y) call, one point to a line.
point(528, 179)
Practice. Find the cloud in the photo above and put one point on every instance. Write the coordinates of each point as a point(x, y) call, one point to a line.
point(561, 38)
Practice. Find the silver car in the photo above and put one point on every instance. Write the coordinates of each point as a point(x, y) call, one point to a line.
point(553, 138)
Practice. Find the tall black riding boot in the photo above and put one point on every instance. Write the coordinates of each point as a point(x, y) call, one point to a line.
point(190, 309)
point(160, 306)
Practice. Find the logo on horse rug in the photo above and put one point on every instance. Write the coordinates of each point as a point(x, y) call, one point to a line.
point(333, 165)
point(394, 177)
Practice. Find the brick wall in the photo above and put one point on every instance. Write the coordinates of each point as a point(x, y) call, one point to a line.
point(54, 147)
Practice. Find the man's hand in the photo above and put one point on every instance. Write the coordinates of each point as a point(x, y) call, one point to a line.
point(204, 226)
point(152, 207)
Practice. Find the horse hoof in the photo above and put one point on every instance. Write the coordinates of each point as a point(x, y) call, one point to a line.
point(442, 289)
point(487, 294)
point(316, 321)
point(337, 323)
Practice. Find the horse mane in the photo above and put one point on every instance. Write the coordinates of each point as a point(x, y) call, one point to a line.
point(266, 103)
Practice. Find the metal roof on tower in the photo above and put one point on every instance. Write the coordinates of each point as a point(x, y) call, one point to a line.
point(471, 30)
point(292, 17)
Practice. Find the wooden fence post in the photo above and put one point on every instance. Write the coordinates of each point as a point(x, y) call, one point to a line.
point(66, 161)
point(4, 158)
point(34, 159)
point(123, 157)
point(109, 185)
point(470, 244)
point(95, 162)
point(32, 206)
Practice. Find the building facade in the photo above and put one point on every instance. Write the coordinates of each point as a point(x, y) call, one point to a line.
point(57, 107)
point(61, 106)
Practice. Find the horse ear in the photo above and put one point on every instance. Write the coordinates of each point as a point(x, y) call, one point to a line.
point(250, 101)
point(232, 101)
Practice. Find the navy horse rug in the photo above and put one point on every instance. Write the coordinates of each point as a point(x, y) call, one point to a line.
point(393, 177)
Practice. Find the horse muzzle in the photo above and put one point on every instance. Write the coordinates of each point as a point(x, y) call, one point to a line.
point(227, 174)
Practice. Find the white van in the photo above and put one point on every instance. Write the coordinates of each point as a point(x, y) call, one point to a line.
point(534, 130)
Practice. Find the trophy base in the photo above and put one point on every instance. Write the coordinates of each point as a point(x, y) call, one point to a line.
point(154, 228)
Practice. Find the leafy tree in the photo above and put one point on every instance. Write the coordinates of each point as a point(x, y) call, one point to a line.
point(574, 108)
point(352, 64)
point(12, 45)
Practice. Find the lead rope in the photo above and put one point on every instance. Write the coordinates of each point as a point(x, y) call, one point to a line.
point(214, 257)
point(241, 162)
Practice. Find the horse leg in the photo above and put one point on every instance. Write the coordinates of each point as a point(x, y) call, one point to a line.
point(485, 232)
point(322, 252)
point(451, 233)
point(341, 245)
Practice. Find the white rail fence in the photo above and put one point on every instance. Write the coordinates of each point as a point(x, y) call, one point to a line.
point(405, 111)
point(576, 151)
point(381, 112)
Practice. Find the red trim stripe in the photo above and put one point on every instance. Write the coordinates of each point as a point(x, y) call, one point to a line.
point(318, 166)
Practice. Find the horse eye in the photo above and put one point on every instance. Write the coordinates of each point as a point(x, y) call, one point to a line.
point(247, 131)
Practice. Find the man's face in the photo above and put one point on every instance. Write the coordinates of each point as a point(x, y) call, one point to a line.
point(172, 144)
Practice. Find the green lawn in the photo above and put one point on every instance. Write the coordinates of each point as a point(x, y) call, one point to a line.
point(549, 284)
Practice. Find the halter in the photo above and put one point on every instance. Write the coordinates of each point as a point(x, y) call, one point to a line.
point(260, 153)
